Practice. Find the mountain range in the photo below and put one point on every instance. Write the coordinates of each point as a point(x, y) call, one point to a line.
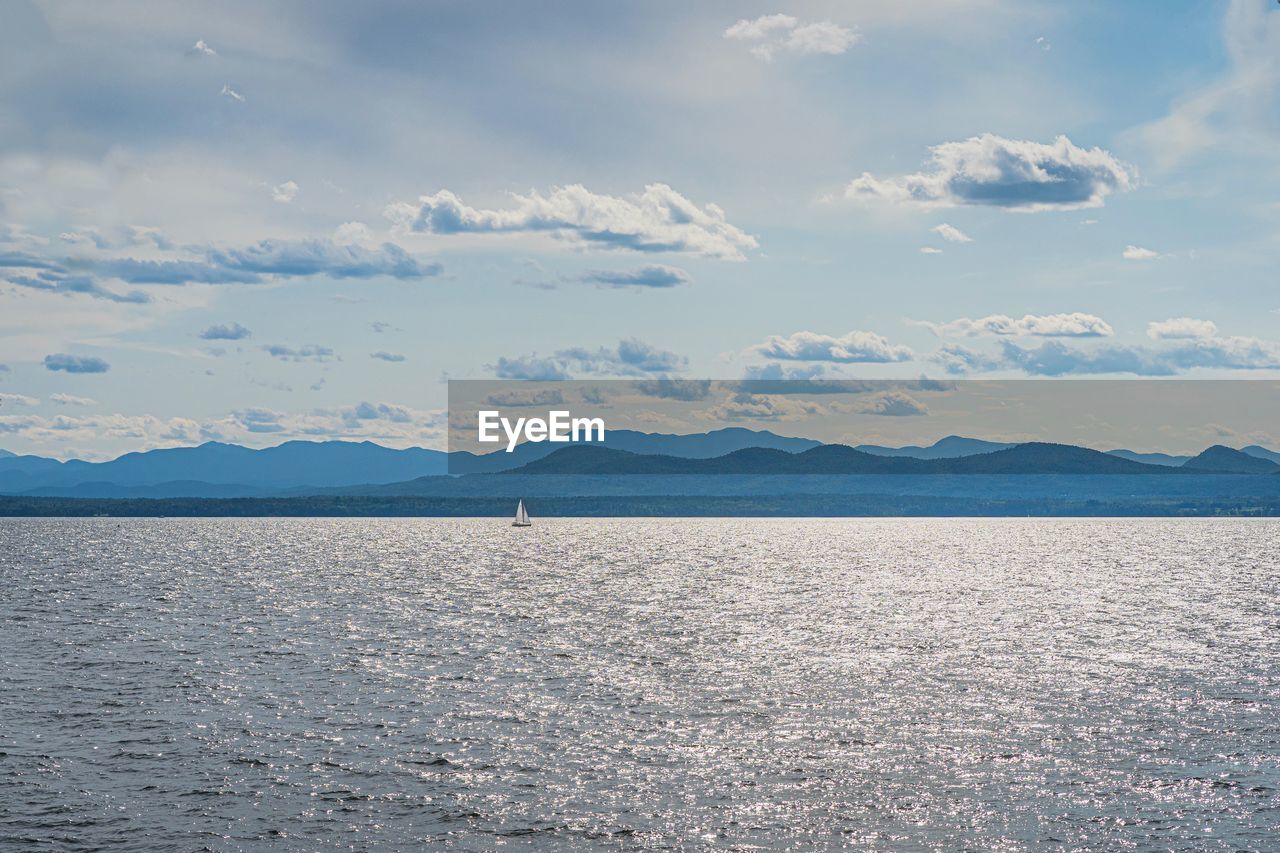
point(218, 470)
point(1026, 458)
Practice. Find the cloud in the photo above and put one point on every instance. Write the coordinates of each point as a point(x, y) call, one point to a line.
point(75, 363)
point(893, 404)
point(72, 400)
point(389, 423)
point(284, 193)
point(930, 250)
point(770, 35)
point(352, 232)
point(956, 360)
point(387, 356)
point(951, 234)
point(307, 352)
point(228, 92)
point(653, 275)
point(1074, 325)
point(252, 264)
point(17, 400)
point(225, 332)
point(855, 347)
point(1043, 43)
point(520, 397)
point(1054, 358)
point(532, 367)
point(664, 388)
point(1137, 253)
point(1181, 328)
point(39, 273)
point(202, 48)
point(761, 27)
point(321, 257)
point(282, 258)
point(765, 407)
point(1238, 108)
point(632, 357)
point(1013, 174)
point(657, 220)
point(774, 372)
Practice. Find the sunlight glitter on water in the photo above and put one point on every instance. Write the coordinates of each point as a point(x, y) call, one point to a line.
point(709, 682)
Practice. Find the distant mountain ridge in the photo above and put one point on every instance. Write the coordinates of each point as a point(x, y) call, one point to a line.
point(218, 470)
point(287, 465)
point(1226, 460)
point(948, 447)
point(703, 445)
point(1027, 458)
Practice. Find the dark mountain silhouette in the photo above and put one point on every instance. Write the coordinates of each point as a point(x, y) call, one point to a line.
point(217, 470)
point(704, 445)
point(1226, 460)
point(1029, 458)
point(950, 447)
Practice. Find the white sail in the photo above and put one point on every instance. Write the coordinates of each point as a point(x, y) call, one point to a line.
point(522, 517)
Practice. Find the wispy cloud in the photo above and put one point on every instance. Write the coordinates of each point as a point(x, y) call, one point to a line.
point(252, 264)
point(1236, 108)
point(285, 193)
point(381, 355)
point(307, 352)
point(1137, 253)
point(951, 234)
point(1013, 174)
point(657, 220)
point(1073, 325)
point(631, 357)
point(228, 92)
point(770, 35)
point(1056, 358)
point(854, 347)
point(202, 48)
point(71, 400)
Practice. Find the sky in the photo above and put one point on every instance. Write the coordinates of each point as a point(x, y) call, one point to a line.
point(254, 222)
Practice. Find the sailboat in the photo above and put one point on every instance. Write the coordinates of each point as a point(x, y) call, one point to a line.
point(522, 517)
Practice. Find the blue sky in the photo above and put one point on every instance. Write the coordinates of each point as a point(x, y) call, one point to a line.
point(254, 222)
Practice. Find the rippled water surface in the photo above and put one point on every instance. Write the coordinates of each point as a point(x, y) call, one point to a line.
point(354, 683)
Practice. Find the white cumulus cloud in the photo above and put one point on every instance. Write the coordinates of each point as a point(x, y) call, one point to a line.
point(657, 220)
point(1181, 328)
point(1013, 174)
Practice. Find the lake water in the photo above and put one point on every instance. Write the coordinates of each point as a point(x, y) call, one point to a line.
point(353, 683)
